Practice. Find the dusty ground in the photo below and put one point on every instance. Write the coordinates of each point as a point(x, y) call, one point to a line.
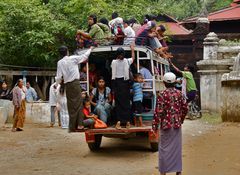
point(207, 150)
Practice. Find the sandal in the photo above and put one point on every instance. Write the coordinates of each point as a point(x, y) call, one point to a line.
point(118, 125)
point(19, 129)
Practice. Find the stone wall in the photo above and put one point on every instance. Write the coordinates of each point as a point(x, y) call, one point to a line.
point(37, 112)
point(230, 103)
point(218, 60)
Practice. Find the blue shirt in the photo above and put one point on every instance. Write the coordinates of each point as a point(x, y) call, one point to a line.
point(146, 75)
point(31, 95)
point(137, 92)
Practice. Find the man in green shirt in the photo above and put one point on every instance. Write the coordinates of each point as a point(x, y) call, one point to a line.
point(96, 31)
point(188, 75)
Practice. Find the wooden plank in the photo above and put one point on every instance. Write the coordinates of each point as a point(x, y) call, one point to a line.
point(112, 130)
point(29, 73)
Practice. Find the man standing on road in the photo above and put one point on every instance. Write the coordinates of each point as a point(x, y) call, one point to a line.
point(170, 112)
point(31, 94)
point(68, 72)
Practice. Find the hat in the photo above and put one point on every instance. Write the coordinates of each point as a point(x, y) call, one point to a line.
point(150, 25)
point(169, 77)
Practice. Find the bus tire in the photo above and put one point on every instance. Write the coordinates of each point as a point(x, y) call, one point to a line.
point(154, 146)
point(94, 146)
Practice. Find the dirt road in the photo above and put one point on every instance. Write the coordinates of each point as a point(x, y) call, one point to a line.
point(207, 150)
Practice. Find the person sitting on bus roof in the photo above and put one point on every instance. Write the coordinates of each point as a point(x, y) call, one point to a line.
point(143, 27)
point(160, 31)
point(153, 40)
point(116, 25)
point(95, 33)
point(128, 33)
point(101, 98)
point(103, 22)
point(135, 26)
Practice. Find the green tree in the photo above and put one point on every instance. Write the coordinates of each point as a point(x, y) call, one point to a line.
point(30, 34)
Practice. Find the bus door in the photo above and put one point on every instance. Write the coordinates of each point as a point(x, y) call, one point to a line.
point(144, 59)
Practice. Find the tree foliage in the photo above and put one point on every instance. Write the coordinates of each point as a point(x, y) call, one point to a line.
point(30, 34)
point(32, 30)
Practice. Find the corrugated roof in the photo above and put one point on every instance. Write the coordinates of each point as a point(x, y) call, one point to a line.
point(231, 13)
point(175, 29)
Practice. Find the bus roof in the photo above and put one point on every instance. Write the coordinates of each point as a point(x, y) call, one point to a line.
point(144, 49)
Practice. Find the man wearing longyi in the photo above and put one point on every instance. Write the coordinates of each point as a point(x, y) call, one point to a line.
point(68, 71)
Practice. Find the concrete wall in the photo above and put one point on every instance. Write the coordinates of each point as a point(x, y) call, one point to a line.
point(38, 112)
point(230, 103)
point(218, 60)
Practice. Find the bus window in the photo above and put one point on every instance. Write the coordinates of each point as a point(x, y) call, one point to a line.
point(83, 76)
point(166, 68)
point(145, 70)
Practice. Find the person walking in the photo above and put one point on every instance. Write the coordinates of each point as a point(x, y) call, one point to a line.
point(19, 96)
point(53, 103)
point(68, 72)
point(121, 87)
point(171, 109)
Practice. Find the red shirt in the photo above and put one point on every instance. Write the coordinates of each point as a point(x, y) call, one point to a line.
point(171, 109)
point(86, 111)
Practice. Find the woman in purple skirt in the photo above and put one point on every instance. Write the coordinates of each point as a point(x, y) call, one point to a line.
point(171, 109)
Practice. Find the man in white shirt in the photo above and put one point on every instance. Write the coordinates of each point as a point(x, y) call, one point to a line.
point(68, 72)
point(121, 88)
point(129, 33)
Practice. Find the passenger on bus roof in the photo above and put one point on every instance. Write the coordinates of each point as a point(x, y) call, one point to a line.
point(129, 34)
point(95, 34)
point(160, 32)
point(116, 25)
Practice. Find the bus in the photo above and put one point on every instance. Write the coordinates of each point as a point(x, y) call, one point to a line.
point(100, 62)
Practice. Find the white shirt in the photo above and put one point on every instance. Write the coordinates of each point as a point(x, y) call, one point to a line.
point(67, 67)
point(120, 68)
point(23, 94)
point(129, 36)
point(115, 21)
point(53, 94)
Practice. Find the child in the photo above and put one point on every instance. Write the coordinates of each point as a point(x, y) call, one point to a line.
point(137, 98)
point(89, 118)
point(129, 34)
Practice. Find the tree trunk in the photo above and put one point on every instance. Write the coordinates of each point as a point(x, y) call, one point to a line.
point(42, 92)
